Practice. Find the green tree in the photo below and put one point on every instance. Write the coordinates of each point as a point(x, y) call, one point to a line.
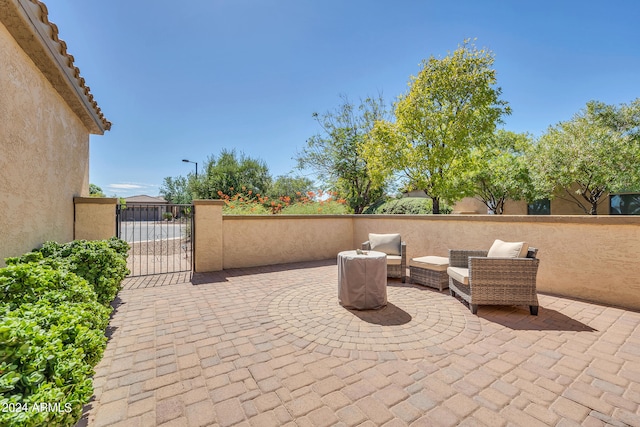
point(289, 186)
point(452, 106)
point(335, 155)
point(501, 171)
point(176, 190)
point(230, 174)
point(95, 191)
point(589, 156)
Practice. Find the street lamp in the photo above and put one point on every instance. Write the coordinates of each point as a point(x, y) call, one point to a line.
point(196, 163)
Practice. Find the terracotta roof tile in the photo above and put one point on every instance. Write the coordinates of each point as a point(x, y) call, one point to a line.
point(28, 22)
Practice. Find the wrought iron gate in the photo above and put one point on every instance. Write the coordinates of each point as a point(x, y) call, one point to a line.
point(160, 235)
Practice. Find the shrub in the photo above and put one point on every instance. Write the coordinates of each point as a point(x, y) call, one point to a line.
point(52, 324)
point(47, 354)
point(249, 203)
point(327, 207)
point(406, 206)
point(30, 283)
point(101, 262)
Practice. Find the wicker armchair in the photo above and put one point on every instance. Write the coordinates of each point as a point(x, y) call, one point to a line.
point(396, 263)
point(494, 281)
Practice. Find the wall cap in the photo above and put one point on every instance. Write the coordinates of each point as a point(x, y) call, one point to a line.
point(554, 219)
point(203, 202)
point(285, 216)
point(95, 200)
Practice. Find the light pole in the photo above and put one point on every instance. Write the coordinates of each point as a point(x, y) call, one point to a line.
point(196, 163)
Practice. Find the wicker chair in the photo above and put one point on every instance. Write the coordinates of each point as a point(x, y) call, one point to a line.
point(494, 281)
point(396, 264)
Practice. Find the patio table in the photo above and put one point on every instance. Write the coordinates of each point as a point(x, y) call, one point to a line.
point(362, 280)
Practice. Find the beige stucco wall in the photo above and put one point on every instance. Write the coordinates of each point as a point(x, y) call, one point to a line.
point(566, 207)
point(208, 235)
point(592, 258)
point(471, 205)
point(45, 155)
point(262, 240)
point(95, 218)
point(583, 257)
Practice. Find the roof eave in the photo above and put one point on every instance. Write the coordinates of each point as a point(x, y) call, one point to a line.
point(28, 23)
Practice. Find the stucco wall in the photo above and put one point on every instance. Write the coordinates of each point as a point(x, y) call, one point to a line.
point(45, 155)
point(208, 235)
point(566, 207)
point(593, 258)
point(95, 218)
point(584, 257)
point(262, 240)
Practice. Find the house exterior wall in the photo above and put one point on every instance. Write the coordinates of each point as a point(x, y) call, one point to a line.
point(45, 155)
point(565, 207)
point(473, 206)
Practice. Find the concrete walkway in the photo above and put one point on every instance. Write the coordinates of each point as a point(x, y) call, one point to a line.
point(271, 346)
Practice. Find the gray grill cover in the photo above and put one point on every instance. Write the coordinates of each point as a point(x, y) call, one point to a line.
point(362, 280)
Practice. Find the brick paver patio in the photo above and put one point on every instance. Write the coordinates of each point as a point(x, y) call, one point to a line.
point(271, 346)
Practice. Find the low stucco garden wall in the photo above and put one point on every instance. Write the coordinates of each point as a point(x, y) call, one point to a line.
point(95, 218)
point(264, 240)
point(583, 257)
point(589, 258)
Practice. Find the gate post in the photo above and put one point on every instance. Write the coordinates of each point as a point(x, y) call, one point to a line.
point(208, 235)
point(94, 218)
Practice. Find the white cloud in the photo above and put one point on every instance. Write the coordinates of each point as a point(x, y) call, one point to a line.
point(124, 186)
point(130, 186)
point(127, 189)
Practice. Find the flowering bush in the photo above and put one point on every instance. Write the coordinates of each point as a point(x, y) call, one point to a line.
point(248, 203)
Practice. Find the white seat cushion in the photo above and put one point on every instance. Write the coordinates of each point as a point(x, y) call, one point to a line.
point(435, 263)
point(460, 274)
point(394, 260)
point(387, 243)
point(501, 249)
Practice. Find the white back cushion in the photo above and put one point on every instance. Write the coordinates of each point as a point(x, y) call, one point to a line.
point(501, 249)
point(387, 243)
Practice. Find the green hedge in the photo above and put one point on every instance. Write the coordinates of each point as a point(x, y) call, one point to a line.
point(101, 262)
point(406, 206)
point(54, 312)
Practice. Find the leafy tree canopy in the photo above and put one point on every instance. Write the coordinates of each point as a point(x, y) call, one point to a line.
point(176, 190)
point(95, 191)
point(335, 154)
point(288, 186)
point(230, 173)
point(594, 153)
point(500, 170)
point(452, 106)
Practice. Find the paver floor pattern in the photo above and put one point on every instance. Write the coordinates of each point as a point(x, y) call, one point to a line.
point(271, 346)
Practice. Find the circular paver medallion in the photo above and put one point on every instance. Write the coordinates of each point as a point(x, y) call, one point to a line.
point(416, 318)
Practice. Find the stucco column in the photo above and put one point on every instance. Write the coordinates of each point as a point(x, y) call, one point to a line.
point(94, 218)
point(208, 235)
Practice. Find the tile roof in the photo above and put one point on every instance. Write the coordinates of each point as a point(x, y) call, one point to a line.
point(28, 23)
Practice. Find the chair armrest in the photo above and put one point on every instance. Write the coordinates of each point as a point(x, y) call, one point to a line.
point(460, 257)
point(403, 249)
point(503, 271)
point(366, 246)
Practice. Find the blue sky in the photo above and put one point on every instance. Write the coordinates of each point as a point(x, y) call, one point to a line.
point(187, 79)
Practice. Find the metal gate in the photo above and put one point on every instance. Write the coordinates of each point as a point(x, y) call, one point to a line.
point(160, 235)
